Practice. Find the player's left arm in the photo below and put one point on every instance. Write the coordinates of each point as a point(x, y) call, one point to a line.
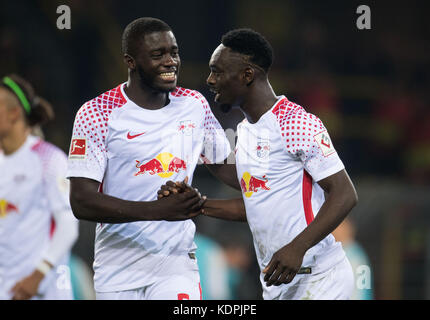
point(226, 209)
point(341, 197)
point(66, 227)
point(225, 173)
point(321, 161)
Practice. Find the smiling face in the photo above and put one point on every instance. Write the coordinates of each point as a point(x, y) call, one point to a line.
point(229, 77)
point(157, 61)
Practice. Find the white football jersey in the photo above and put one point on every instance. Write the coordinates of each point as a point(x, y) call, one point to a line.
point(32, 186)
point(278, 160)
point(132, 151)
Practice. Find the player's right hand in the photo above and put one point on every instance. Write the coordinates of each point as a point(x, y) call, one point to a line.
point(182, 203)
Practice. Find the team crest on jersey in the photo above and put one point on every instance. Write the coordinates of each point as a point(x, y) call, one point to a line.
point(263, 148)
point(78, 148)
point(324, 142)
point(186, 127)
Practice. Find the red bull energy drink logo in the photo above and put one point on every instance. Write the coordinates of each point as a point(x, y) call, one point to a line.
point(250, 184)
point(6, 208)
point(164, 165)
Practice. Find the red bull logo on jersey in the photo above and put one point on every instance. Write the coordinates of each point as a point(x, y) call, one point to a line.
point(250, 184)
point(6, 208)
point(164, 165)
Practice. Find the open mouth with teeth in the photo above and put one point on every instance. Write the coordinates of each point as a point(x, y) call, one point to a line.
point(168, 76)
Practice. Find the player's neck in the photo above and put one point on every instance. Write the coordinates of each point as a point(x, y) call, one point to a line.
point(146, 98)
point(15, 139)
point(259, 100)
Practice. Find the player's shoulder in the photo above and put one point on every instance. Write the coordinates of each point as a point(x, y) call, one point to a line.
point(46, 151)
point(286, 108)
point(189, 96)
point(105, 102)
point(292, 114)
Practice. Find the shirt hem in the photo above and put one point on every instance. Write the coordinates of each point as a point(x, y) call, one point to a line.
point(84, 175)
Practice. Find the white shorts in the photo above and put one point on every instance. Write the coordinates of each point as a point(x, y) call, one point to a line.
point(336, 283)
point(176, 287)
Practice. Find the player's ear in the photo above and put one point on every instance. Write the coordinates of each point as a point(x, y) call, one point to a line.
point(15, 113)
point(129, 61)
point(248, 75)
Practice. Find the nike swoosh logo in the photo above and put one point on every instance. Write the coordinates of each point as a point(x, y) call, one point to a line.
point(129, 136)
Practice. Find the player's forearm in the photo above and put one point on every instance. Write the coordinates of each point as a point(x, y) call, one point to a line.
point(226, 173)
point(102, 208)
point(334, 210)
point(65, 235)
point(230, 209)
point(89, 204)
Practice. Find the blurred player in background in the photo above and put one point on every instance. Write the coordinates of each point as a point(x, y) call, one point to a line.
point(345, 233)
point(37, 227)
point(214, 269)
point(285, 162)
point(126, 143)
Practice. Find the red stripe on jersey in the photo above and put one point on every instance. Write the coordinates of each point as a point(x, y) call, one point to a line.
point(307, 197)
point(200, 289)
point(52, 228)
point(101, 191)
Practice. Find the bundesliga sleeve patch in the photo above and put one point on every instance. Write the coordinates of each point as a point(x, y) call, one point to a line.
point(78, 148)
point(324, 143)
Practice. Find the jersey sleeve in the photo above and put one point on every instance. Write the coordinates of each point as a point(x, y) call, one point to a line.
point(57, 193)
point(87, 153)
point(216, 147)
point(55, 182)
point(307, 139)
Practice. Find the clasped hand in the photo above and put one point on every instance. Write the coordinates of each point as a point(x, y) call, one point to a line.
point(183, 201)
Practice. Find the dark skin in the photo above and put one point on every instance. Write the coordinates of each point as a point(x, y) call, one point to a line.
point(160, 54)
point(152, 75)
point(236, 81)
point(227, 209)
point(157, 55)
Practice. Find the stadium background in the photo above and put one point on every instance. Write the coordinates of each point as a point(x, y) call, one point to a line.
point(370, 87)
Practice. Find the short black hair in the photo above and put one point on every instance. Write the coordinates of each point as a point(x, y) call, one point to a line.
point(249, 42)
point(137, 29)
